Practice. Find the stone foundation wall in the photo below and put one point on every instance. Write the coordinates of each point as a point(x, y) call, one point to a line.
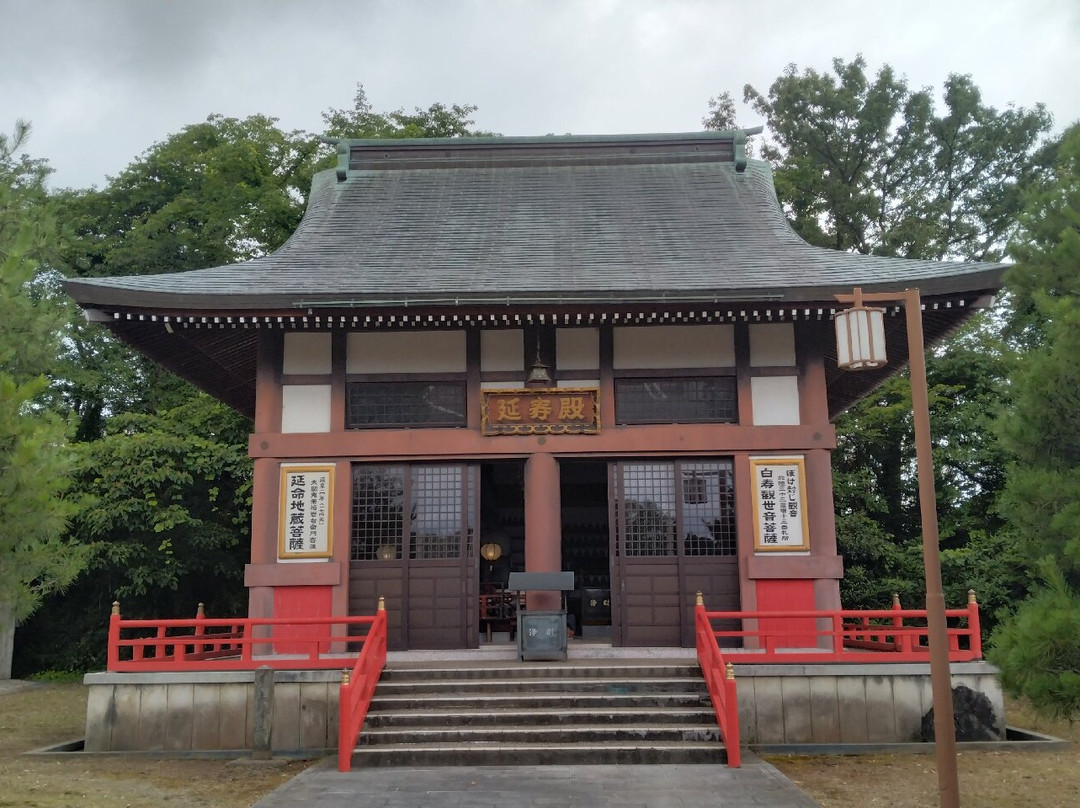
point(823, 704)
point(826, 704)
point(209, 711)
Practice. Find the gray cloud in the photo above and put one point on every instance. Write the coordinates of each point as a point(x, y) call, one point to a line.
point(103, 80)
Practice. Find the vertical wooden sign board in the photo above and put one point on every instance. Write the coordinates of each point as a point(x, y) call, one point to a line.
point(307, 512)
point(780, 523)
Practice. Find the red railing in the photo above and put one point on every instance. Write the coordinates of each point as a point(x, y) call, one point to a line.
point(357, 688)
point(720, 679)
point(203, 643)
point(845, 635)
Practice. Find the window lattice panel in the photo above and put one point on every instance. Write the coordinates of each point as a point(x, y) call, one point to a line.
point(398, 404)
point(656, 502)
point(676, 400)
point(441, 511)
point(708, 508)
point(426, 511)
point(647, 518)
point(378, 512)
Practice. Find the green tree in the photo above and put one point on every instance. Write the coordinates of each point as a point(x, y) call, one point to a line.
point(867, 164)
point(35, 461)
point(864, 163)
point(362, 121)
point(166, 468)
point(1036, 646)
point(1042, 494)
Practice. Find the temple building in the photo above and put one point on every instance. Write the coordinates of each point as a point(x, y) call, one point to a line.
point(605, 355)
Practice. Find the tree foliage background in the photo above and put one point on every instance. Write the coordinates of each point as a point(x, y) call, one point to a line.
point(862, 162)
point(163, 468)
point(867, 164)
point(36, 557)
point(1037, 646)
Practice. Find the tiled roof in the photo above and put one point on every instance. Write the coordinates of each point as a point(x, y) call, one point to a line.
point(629, 226)
point(586, 220)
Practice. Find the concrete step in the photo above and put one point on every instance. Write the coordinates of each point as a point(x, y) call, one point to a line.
point(524, 754)
point(580, 735)
point(617, 685)
point(540, 670)
point(540, 713)
point(566, 716)
point(552, 701)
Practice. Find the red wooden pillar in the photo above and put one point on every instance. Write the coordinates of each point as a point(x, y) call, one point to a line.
point(543, 531)
point(264, 493)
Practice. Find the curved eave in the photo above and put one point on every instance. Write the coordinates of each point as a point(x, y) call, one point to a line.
point(217, 351)
point(93, 293)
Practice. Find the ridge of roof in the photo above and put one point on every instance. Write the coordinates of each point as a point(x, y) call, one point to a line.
point(548, 140)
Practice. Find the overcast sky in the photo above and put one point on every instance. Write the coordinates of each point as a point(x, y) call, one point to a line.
point(102, 80)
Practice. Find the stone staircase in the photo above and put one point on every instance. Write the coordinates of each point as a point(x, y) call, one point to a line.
point(514, 713)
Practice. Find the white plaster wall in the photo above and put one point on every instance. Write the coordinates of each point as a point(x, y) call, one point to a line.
point(408, 352)
point(772, 345)
point(775, 400)
point(307, 353)
point(577, 348)
point(578, 383)
point(675, 346)
point(305, 408)
point(502, 350)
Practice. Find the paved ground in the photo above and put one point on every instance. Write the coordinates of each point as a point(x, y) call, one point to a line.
point(756, 785)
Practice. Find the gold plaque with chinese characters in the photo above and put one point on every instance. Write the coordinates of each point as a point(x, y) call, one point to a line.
point(305, 528)
point(542, 411)
point(780, 522)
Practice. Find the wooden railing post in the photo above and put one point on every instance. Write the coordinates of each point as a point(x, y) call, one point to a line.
point(902, 639)
point(358, 687)
point(974, 625)
point(346, 742)
point(114, 638)
point(731, 703)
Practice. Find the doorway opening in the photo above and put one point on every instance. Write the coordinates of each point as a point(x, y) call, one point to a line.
point(586, 547)
point(501, 549)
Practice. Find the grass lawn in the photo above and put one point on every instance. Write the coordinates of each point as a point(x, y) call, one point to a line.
point(987, 779)
point(52, 713)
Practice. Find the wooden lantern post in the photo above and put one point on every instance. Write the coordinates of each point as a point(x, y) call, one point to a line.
point(861, 346)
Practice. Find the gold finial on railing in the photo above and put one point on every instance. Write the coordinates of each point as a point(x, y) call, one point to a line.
point(116, 607)
point(382, 603)
point(896, 600)
point(971, 596)
point(700, 600)
point(729, 671)
point(344, 677)
point(200, 612)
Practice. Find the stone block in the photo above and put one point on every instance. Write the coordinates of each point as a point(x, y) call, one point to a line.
point(234, 716)
point(908, 707)
point(100, 718)
point(285, 736)
point(181, 709)
point(769, 698)
point(125, 735)
point(824, 710)
point(880, 722)
point(313, 718)
point(205, 730)
point(747, 709)
point(797, 722)
point(851, 704)
point(153, 714)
